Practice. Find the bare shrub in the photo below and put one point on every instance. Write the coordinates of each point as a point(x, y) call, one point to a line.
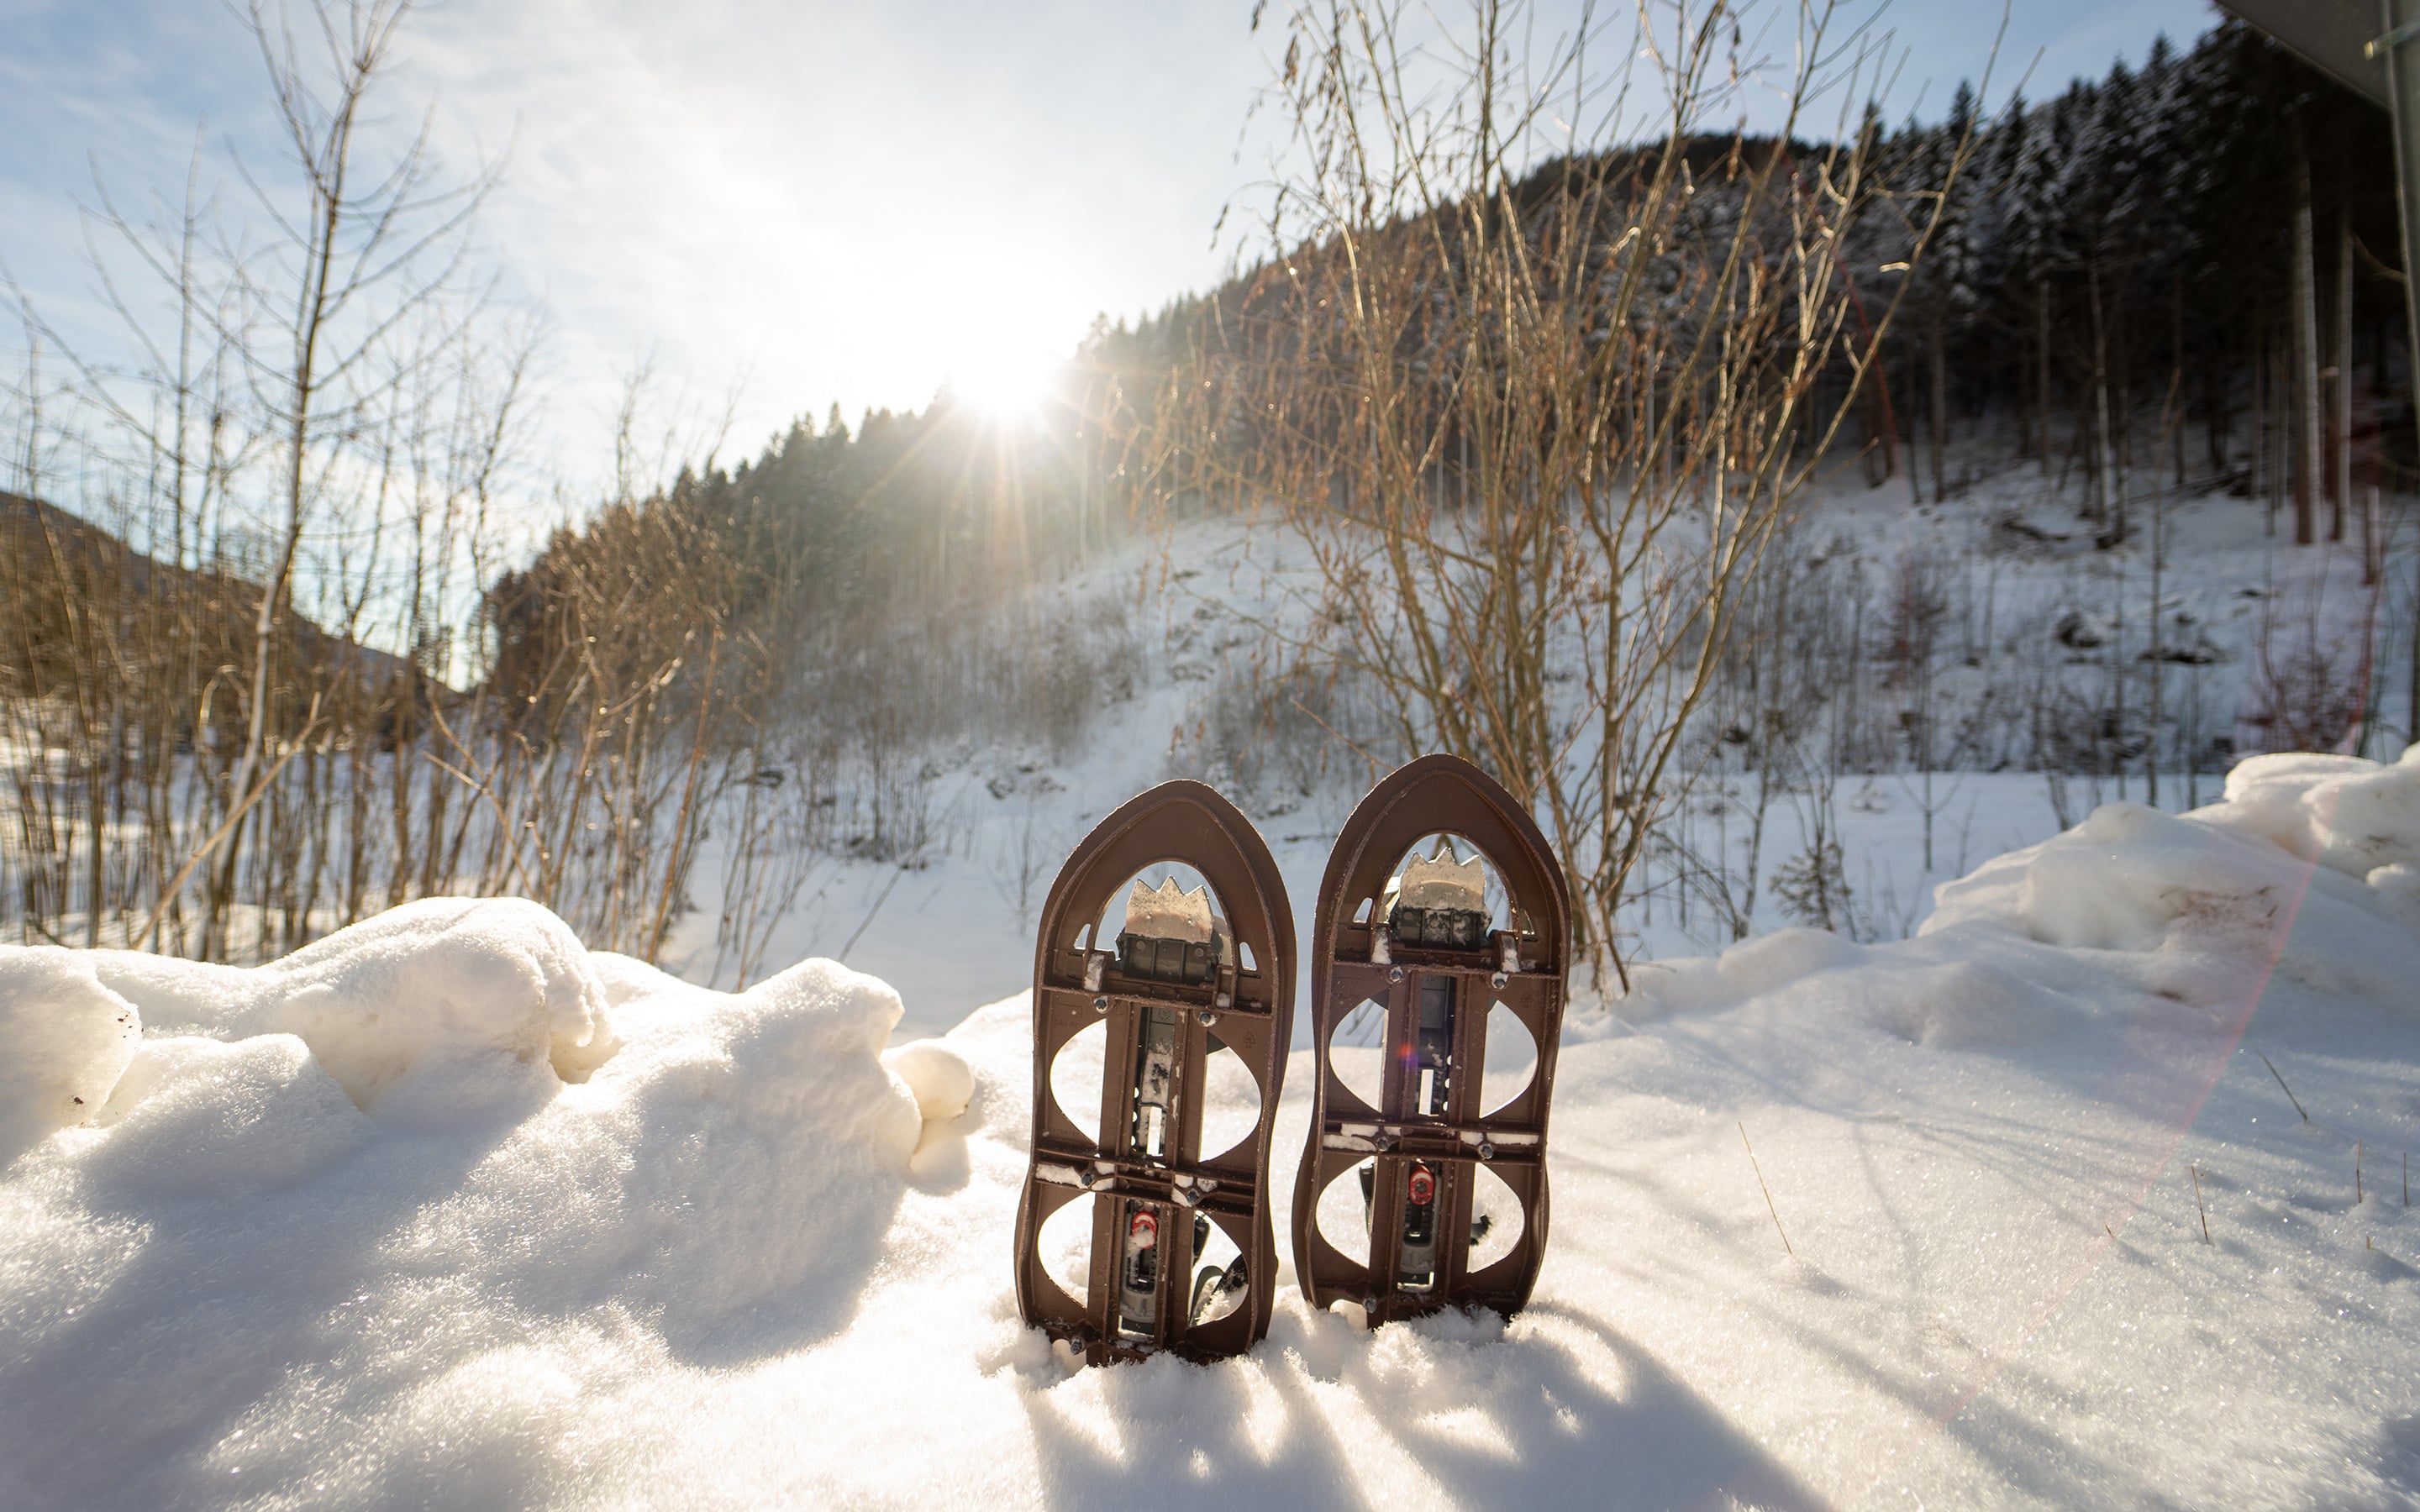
point(1534, 403)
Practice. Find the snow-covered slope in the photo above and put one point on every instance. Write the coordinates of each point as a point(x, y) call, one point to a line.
point(448, 1212)
point(2036, 688)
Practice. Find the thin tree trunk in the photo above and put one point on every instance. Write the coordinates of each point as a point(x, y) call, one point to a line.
point(2110, 493)
point(2151, 737)
point(2041, 365)
point(1940, 403)
point(2024, 404)
point(2281, 445)
point(311, 314)
point(2115, 745)
point(2176, 373)
point(2373, 540)
point(2307, 361)
point(2260, 415)
point(2343, 501)
point(2172, 421)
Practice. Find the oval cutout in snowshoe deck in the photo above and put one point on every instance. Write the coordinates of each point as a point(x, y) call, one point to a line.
point(1230, 1102)
point(1495, 1222)
point(1222, 1279)
point(1511, 1061)
point(1443, 903)
point(1075, 1078)
point(1341, 1218)
point(1064, 1244)
point(1357, 1054)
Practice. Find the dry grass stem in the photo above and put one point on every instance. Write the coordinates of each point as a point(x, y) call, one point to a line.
point(1767, 1191)
point(2281, 1082)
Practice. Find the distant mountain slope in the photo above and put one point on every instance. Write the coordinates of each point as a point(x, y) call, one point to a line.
point(72, 594)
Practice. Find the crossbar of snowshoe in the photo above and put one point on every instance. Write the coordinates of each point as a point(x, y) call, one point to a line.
point(1249, 1011)
point(1209, 1189)
point(1433, 795)
point(1485, 1143)
point(1131, 997)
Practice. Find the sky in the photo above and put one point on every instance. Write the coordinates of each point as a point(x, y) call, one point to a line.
point(778, 206)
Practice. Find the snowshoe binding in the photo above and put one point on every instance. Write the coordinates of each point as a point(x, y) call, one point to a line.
point(1404, 938)
point(1190, 975)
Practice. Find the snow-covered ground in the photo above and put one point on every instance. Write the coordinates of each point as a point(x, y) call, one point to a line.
point(448, 1210)
point(2009, 565)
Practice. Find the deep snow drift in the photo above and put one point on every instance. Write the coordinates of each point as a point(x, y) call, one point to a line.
point(448, 1210)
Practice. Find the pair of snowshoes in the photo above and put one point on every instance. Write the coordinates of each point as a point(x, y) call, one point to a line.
point(1405, 936)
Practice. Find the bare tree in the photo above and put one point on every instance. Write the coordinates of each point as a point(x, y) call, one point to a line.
point(1534, 402)
point(361, 253)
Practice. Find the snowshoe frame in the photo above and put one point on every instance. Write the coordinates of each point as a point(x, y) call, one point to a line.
point(1245, 1004)
point(1523, 968)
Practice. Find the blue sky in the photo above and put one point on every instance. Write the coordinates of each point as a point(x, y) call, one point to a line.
point(817, 203)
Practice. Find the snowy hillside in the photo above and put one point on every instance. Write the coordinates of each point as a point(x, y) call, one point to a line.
point(1997, 619)
point(448, 1210)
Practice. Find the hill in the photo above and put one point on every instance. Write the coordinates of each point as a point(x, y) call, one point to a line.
point(81, 602)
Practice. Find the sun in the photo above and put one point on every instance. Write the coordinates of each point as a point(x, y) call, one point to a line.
point(1005, 384)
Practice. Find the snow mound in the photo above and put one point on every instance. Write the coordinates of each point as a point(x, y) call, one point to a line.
point(383, 1223)
point(2351, 815)
point(2308, 866)
point(450, 991)
point(1742, 971)
point(65, 1039)
point(940, 1077)
point(2305, 870)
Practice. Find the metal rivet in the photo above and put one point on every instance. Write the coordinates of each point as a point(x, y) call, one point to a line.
point(1084, 1178)
point(1207, 1018)
point(1486, 1150)
point(1395, 973)
point(1101, 1004)
point(1498, 980)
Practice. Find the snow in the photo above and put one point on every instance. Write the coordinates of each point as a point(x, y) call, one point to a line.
point(448, 1211)
point(2350, 815)
point(440, 992)
point(2269, 627)
point(68, 1038)
point(307, 1250)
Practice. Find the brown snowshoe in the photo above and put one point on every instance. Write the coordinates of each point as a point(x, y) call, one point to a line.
point(1191, 974)
point(1417, 945)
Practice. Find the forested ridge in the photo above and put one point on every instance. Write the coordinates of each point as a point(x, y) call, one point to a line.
point(2137, 230)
